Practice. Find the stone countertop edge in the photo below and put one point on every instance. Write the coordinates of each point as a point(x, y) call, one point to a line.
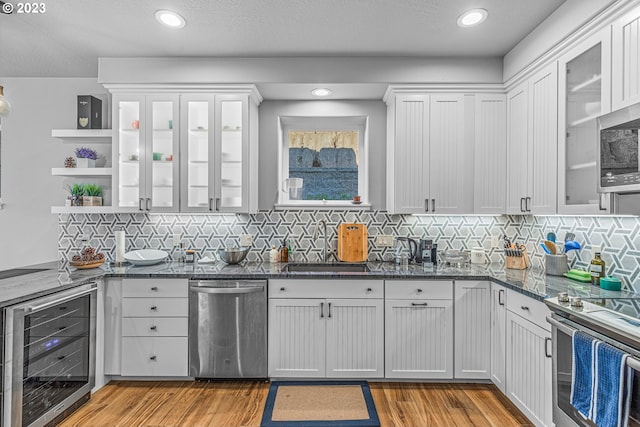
point(531, 282)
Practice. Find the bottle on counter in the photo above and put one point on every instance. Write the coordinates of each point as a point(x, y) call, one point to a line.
point(273, 255)
point(181, 255)
point(597, 269)
point(284, 252)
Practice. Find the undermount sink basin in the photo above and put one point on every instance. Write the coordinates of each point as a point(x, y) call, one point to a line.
point(329, 268)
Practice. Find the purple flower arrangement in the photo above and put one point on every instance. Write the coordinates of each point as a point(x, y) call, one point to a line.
point(86, 153)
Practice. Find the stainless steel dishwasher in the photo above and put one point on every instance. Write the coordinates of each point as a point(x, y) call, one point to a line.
point(228, 329)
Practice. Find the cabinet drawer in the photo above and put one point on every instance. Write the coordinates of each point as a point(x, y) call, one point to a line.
point(155, 307)
point(155, 327)
point(336, 288)
point(159, 288)
point(154, 356)
point(418, 289)
point(528, 308)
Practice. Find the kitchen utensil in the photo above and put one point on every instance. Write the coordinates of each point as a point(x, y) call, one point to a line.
point(610, 283)
point(233, 255)
point(569, 236)
point(553, 249)
point(579, 275)
point(352, 242)
point(542, 245)
point(571, 245)
point(551, 236)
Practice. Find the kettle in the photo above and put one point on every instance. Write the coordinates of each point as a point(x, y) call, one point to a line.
point(413, 247)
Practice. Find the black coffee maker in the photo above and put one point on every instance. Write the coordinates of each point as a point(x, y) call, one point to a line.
point(427, 251)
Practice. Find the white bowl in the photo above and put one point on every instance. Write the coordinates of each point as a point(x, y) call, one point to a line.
point(146, 256)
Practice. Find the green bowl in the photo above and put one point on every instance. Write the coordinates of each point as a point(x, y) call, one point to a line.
point(610, 283)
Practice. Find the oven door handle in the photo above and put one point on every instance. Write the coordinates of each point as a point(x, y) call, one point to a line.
point(39, 307)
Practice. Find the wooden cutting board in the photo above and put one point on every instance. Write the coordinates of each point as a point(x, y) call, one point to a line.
point(352, 242)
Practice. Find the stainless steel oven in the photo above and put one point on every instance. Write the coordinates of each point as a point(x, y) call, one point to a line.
point(49, 355)
point(594, 319)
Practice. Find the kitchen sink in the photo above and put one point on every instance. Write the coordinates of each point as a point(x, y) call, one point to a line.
point(329, 268)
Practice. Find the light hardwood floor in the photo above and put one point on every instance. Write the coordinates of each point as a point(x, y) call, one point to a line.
point(240, 403)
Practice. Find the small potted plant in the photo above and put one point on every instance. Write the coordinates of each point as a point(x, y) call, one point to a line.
point(86, 157)
point(76, 191)
point(92, 195)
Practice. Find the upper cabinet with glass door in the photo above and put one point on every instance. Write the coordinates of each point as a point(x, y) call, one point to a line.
point(585, 94)
point(219, 153)
point(147, 152)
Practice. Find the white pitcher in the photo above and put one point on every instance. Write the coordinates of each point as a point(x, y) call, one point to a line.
point(293, 186)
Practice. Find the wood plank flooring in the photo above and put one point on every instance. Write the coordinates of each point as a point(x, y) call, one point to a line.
point(240, 403)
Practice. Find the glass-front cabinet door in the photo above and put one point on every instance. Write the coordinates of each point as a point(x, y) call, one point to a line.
point(585, 94)
point(198, 154)
point(129, 152)
point(232, 150)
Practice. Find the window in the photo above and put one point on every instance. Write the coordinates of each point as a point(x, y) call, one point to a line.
point(323, 160)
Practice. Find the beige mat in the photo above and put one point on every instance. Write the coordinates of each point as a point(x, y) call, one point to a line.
point(321, 403)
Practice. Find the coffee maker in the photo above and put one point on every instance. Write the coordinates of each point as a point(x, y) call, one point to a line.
point(427, 252)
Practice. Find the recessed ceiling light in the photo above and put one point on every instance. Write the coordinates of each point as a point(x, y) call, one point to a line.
point(321, 91)
point(170, 19)
point(472, 17)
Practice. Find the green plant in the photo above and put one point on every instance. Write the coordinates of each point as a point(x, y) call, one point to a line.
point(93, 190)
point(76, 190)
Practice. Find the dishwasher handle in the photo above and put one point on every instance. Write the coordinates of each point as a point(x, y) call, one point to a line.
point(226, 291)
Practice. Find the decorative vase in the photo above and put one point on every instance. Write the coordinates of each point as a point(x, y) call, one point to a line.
point(85, 163)
point(76, 200)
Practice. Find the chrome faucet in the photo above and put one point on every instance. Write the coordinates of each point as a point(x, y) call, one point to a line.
point(315, 236)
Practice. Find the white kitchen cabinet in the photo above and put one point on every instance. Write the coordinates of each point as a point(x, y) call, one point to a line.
point(490, 154)
point(429, 167)
point(585, 93)
point(146, 152)
point(112, 326)
point(338, 337)
point(219, 153)
point(625, 60)
point(419, 329)
point(498, 336)
point(472, 349)
point(532, 144)
point(154, 357)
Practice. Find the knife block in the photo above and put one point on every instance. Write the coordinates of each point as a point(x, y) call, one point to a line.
point(518, 262)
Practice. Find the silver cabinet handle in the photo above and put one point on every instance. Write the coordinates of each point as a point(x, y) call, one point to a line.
point(148, 204)
point(601, 205)
point(433, 205)
point(526, 204)
point(547, 341)
point(329, 311)
point(33, 308)
point(227, 291)
point(321, 310)
point(140, 204)
point(524, 307)
point(501, 297)
point(154, 328)
point(217, 203)
point(522, 209)
point(426, 205)
point(419, 304)
point(210, 204)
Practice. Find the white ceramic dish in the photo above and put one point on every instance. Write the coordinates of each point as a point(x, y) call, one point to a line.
point(146, 256)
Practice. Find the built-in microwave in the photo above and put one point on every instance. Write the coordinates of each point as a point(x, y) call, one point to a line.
point(618, 160)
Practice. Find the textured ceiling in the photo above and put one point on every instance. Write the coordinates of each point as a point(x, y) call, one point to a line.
point(67, 39)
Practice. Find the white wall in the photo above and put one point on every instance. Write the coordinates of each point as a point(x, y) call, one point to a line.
point(28, 230)
point(268, 157)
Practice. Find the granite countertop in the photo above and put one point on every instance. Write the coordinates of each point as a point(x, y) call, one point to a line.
point(532, 282)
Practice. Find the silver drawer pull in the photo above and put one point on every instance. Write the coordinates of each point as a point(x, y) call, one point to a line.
point(524, 307)
point(369, 290)
point(154, 288)
point(282, 289)
point(419, 304)
point(418, 291)
point(154, 328)
point(154, 308)
point(152, 358)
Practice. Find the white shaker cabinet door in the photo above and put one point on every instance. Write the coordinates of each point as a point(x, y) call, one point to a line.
point(498, 336)
point(355, 338)
point(529, 382)
point(419, 339)
point(517, 146)
point(297, 337)
point(625, 72)
point(472, 329)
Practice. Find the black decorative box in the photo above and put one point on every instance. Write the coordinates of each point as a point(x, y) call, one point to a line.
point(89, 112)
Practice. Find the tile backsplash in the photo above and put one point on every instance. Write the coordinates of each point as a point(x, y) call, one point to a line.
point(618, 236)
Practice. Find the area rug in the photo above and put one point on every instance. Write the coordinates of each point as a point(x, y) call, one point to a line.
point(319, 404)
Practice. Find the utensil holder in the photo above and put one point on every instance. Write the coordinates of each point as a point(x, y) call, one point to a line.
point(556, 265)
